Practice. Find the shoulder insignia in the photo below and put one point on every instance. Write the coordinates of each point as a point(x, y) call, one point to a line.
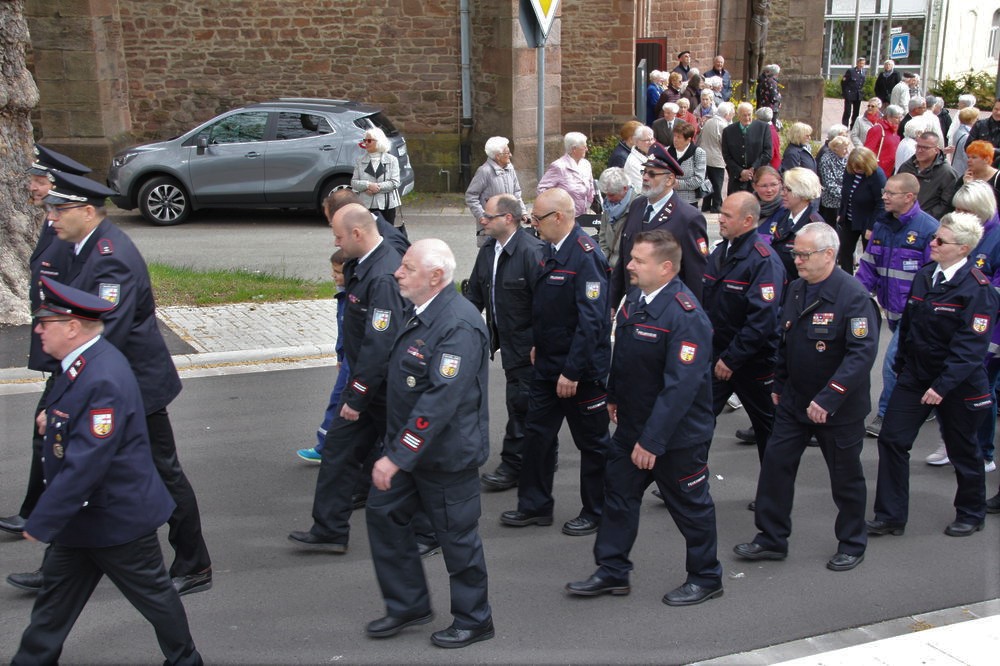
point(586, 243)
point(685, 301)
point(102, 422)
point(762, 249)
point(75, 369)
point(980, 277)
point(104, 246)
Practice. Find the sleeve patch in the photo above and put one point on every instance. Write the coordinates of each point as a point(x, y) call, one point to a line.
point(688, 352)
point(359, 387)
point(980, 323)
point(422, 423)
point(767, 292)
point(411, 441)
point(102, 422)
point(839, 388)
point(685, 301)
point(703, 246)
point(381, 319)
point(449, 366)
point(593, 291)
point(859, 327)
point(109, 292)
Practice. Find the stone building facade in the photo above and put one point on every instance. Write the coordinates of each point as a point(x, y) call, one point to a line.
point(113, 73)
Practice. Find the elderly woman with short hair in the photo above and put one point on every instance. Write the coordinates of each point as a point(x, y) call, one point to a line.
point(801, 189)
point(832, 165)
point(866, 121)
point(618, 197)
point(691, 159)
point(641, 142)
point(376, 176)
point(860, 203)
point(495, 176)
point(798, 152)
point(967, 117)
point(572, 172)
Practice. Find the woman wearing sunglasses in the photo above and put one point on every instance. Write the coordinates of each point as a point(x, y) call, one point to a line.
point(376, 176)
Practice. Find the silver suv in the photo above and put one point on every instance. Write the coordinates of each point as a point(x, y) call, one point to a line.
point(287, 153)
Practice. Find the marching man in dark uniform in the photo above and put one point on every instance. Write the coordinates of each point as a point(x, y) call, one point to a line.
point(943, 338)
point(502, 284)
point(658, 208)
point(45, 260)
point(371, 323)
point(821, 389)
point(437, 437)
point(572, 337)
point(660, 395)
point(103, 500)
point(744, 284)
point(103, 261)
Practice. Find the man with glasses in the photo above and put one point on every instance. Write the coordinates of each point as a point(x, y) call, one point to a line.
point(938, 181)
point(658, 208)
point(821, 388)
point(898, 247)
point(502, 283)
point(571, 356)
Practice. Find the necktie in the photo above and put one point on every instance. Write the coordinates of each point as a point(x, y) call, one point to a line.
point(938, 278)
point(648, 215)
point(642, 301)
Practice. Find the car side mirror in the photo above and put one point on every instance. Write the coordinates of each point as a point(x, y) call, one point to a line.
point(202, 144)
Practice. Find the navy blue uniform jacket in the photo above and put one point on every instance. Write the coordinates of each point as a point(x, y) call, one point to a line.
point(372, 321)
point(572, 326)
point(946, 330)
point(510, 330)
point(101, 486)
point(742, 296)
point(110, 266)
point(828, 349)
point(47, 259)
point(661, 375)
point(438, 411)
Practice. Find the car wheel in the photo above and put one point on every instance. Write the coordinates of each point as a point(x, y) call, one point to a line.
point(163, 201)
point(332, 185)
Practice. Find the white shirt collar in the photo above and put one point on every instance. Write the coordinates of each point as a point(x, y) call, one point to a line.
point(79, 246)
point(73, 355)
point(369, 253)
point(651, 295)
point(417, 309)
point(559, 245)
point(949, 272)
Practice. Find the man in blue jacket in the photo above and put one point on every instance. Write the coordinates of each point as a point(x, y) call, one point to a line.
point(104, 499)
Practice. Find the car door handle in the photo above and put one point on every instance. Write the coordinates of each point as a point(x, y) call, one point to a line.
point(252, 154)
point(327, 147)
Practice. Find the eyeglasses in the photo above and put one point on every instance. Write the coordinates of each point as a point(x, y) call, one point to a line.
point(58, 210)
point(43, 322)
point(805, 255)
point(940, 241)
point(367, 140)
point(493, 217)
point(537, 219)
point(653, 174)
point(887, 193)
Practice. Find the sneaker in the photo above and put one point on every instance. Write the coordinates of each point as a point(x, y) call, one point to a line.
point(874, 426)
point(309, 455)
point(989, 466)
point(939, 457)
point(734, 402)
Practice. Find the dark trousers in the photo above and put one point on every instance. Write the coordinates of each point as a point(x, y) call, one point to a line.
point(185, 537)
point(852, 107)
point(69, 578)
point(753, 387)
point(848, 243)
point(682, 477)
point(518, 388)
point(388, 213)
point(451, 500)
point(900, 426)
point(737, 185)
point(716, 176)
point(841, 446)
point(588, 419)
point(36, 473)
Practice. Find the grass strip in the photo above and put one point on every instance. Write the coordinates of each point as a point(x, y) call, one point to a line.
point(175, 285)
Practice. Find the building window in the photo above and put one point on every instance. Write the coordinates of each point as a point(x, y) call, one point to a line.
point(995, 37)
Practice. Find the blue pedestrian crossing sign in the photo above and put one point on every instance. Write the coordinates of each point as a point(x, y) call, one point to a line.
point(899, 46)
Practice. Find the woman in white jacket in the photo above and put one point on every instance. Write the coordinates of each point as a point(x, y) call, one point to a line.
point(376, 176)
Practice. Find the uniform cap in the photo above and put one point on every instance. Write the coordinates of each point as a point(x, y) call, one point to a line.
point(70, 188)
point(60, 300)
point(659, 158)
point(47, 159)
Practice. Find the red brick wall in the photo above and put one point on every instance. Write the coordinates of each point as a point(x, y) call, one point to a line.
point(688, 25)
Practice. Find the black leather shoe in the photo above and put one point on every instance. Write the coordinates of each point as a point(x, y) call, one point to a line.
point(359, 500)
point(746, 436)
point(880, 527)
point(199, 582)
point(501, 479)
point(313, 542)
point(522, 519)
point(387, 626)
point(844, 562)
point(453, 637)
point(579, 526)
point(30, 582)
point(957, 529)
point(993, 504)
point(595, 585)
point(755, 551)
point(690, 594)
point(13, 525)
point(427, 548)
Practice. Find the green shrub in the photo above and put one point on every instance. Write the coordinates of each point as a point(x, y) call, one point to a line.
point(600, 151)
point(831, 88)
point(980, 84)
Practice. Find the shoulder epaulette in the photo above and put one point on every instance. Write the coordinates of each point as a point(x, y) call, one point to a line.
point(586, 243)
point(74, 370)
point(980, 277)
point(685, 301)
point(762, 249)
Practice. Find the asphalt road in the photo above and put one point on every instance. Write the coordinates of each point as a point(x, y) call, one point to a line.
point(272, 604)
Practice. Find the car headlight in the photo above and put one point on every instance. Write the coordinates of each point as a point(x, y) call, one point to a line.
point(122, 159)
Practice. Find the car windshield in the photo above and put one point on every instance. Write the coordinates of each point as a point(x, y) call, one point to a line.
point(377, 120)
